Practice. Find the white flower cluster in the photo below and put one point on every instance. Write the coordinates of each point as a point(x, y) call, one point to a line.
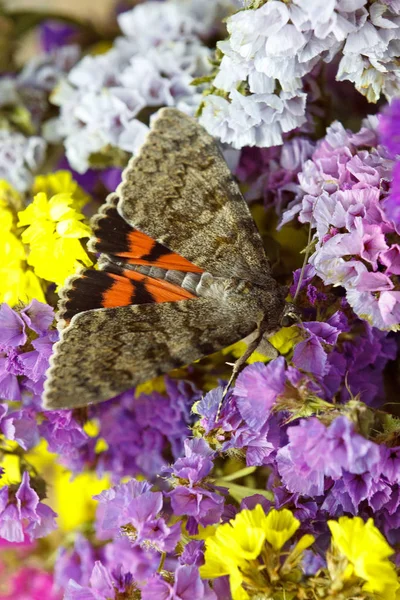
point(30, 88)
point(20, 157)
point(151, 65)
point(259, 86)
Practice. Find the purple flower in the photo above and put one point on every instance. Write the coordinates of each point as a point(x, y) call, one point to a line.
point(12, 328)
point(62, 432)
point(392, 201)
point(55, 34)
point(256, 390)
point(187, 585)
point(315, 452)
point(19, 426)
point(22, 513)
point(23, 364)
point(103, 585)
point(341, 193)
point(193, 553)
point(38, 316)
point(196, 464)
point(204, 506)
point(141, 432)
point(142, 563)
point(75, 564)
point(310, 356)
point(134, 508)
point(389, 127)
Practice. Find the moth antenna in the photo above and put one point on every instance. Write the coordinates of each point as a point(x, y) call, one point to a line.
point(306, 256)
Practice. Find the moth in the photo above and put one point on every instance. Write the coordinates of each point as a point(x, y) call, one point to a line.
point(182, 273)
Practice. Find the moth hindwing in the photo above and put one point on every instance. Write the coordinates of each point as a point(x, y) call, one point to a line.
point(182, 273)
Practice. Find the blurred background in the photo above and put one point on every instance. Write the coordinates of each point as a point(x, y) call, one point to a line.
point(84, 8)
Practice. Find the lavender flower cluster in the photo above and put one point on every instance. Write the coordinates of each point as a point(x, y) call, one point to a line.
point(180, 489)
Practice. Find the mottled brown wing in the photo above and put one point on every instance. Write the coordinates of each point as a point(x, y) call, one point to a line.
point(180, 191)
point(106, 351)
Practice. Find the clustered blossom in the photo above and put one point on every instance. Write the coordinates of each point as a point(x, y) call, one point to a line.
point(20, 158)
point(192, 495)
point(258, 92)
point(271, 173)
point(132, 508)
point(286, 484)
point(151, 427)
point(54, 228)
point(26, 341)
point(390, 137)
point(356, 245)
point(101, 99)
point(23, 106)
point(23, 514)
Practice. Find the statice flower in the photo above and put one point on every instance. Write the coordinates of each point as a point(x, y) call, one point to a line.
point(186, 583)
point(271, 173)
point(152, 65)
point(25, 347)
point(65, 436)
point(20, 158)
point(258, 94)
point(138, 431)
point(236, 427)
point(22, 513)
point(19, 426)
point(76, 563)
point(103, 585)
point(55, 34)
point(315, 452)
point(356, 244)
point(193, 495)
point(390, 138)
point(54, 228)
point(371, 51)
point(367, 553)
point(133, 509)
point(18, 282)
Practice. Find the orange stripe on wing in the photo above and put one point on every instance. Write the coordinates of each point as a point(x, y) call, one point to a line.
point(160, 290)
point(143, 250)
point(119, 294)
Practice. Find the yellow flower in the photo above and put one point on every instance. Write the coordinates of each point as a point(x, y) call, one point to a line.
point(368, 554)
point(18, 282)
point(53, 232)
point(280, 526)
point(234, 546)
point(60, 182)
point(283, 341)
point(65, 486)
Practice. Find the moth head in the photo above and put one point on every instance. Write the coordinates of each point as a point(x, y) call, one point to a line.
point(291, 315)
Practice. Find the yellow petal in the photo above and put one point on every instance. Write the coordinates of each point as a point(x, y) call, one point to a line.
point(72, 228)
point(280, 525)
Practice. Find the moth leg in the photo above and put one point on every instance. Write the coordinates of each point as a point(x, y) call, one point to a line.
point(253, 341)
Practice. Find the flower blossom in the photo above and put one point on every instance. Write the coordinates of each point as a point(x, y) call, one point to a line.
point(356, 245)
point(22, 513)
point(192, 495)
point(53, 232)
point(132, 508)
point(23, 361)
point(102, 97)
point(367, 553)
point(20, 158)
point(258, 93)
